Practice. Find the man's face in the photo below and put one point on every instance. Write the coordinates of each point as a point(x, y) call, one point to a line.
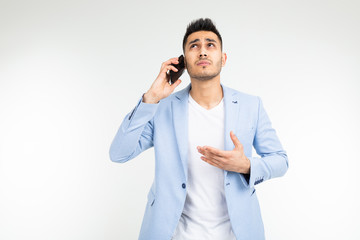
point(203, 55)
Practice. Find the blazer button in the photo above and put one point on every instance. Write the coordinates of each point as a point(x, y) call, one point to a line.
point(183, 185)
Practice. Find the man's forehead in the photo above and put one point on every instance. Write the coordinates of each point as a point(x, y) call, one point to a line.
point(202, 35)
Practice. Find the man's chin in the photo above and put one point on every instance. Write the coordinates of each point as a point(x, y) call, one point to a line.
point(203, 76)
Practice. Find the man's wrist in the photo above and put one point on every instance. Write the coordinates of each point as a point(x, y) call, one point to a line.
point(148, 98)
point(248, 166)
point(245, 168)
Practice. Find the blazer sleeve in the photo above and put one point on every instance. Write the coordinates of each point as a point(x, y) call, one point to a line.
point(273, 160)
point(135, 133)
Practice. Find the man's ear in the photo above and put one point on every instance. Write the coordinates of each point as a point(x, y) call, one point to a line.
point(223, 59)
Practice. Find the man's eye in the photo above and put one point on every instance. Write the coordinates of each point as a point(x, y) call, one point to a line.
point(192, 46)
point(211, 45)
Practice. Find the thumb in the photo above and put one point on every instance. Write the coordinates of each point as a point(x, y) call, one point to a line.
point(235, 140)
point(175, 84)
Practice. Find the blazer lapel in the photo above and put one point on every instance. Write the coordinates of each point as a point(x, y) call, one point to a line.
point(180, 120)
point(231, 105)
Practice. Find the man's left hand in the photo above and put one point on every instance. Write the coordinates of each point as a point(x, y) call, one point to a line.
point(234, 160)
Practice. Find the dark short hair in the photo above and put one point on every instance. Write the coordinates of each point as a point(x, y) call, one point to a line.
point(201, 24)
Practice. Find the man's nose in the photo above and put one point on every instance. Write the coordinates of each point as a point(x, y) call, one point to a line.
point(203, 54)
point(202, 51)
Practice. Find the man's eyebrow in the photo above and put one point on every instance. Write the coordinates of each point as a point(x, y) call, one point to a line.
point(207, 39)
point(210, 40)
point(194, 41)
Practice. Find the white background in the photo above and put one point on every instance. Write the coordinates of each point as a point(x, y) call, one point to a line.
point(71, 70)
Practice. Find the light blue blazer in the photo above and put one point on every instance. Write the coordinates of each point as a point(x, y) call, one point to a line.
point(164, 126)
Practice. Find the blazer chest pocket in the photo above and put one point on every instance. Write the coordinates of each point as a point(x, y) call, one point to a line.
point(245, 134)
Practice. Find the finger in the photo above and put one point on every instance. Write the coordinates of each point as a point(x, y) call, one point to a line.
point(170, 61)
point(215, 158)
point(175, 84)
point(214, 151)
point(235, 140)
point(165, 73)
point(211, 162)
point(169, 67)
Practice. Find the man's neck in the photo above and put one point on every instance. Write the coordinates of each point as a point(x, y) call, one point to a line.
point(207, 94)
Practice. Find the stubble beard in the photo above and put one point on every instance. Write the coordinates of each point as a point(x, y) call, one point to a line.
point(205, 76)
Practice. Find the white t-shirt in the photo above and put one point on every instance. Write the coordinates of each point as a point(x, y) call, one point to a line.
point(205, 214)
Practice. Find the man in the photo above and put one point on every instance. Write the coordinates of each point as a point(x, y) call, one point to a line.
point(202, 137)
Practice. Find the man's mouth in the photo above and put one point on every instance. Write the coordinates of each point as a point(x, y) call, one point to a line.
point(203, 63)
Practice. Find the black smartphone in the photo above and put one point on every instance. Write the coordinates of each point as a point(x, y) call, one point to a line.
point(180, 67)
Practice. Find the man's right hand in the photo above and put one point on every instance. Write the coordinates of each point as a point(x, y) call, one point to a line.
point(161, 87)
